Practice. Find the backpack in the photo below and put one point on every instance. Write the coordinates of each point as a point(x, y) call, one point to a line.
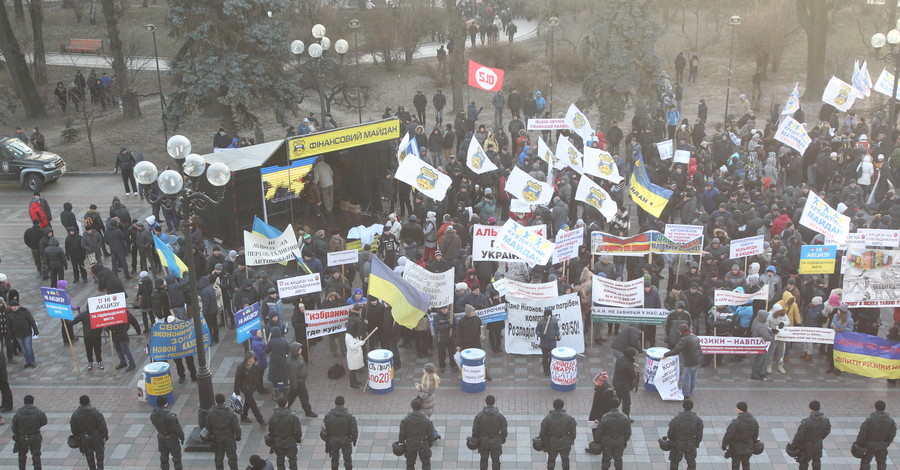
point(336, 371)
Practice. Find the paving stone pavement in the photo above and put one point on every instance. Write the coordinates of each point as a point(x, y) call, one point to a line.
point(523, 394)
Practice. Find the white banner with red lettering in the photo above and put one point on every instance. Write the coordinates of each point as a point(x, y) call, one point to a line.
point(327, 321)
point(732, 345)
point(750, 246)
point(805, 334)
point(730, 297)
point(617, 293)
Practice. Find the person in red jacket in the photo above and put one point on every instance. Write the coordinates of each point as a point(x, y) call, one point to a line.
point(780, 222)
point(37, 212)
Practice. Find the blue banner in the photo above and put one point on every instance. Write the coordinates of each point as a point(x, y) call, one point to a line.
point(246, 320)
point(176, 339)
point(867, 355)
point(487, 315)
point(58, 303)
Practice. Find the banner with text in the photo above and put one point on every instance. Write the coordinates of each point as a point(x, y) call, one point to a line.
point(879, 237)
point(108, 310)
point(524, 290)
point(867, 355)
point(683, 233)
point(641, 316)
point(485, 245)
point(327, 321)
point(177, 339)
point(730, 297)
point(817, 259)
point(58, 303)
point(805, 334)
point(606, 244)
point(438, 285)
point(617, 293)
point(527, 245)
point(750, 246)
point(820, 217)
point(299, 285)
point(872, 278)
point(338, 258)
point(487, 315)
point(523, 315)
point(567, 243)
point(246, 319)
point(666, 379)
point(259, 250)
point(732, 345)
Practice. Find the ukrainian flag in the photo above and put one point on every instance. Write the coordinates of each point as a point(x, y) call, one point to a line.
point(866, 355)
point(407, 303)
point(650, 197)
point(265, 230)
point(171, 261)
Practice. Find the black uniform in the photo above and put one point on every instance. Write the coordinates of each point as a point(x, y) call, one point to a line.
point(809, 436)
point(341, 434)
point(284, 426)
point(169, 437)
point(601, 404)
point(490, 429)
point(558, 433)
point(26, 428)
point(875, 435)
point(740, 436)
point(225, 430)
point(89, 428)
point(417, 432)
point(613, 434)
point(685, 434)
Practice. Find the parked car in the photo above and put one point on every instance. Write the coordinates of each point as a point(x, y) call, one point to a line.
point(21, 165)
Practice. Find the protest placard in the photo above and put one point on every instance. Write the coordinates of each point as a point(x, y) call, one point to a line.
point(880, 237)
point(683, 233)
point(523, 315)
point(246, 319)
point(107, 310)
point(176, 339)
point(730, 297)
point(604, 243)
point(642, 316)
point(732, 345)
point(661, 244)
point(871, 280)
point(750, 246)
point(527, 245)
point(338, 258)
point(485, 246)
point(438, 285)
point(617, 293)
point(259, 250)
point(867, 355)
point(805, 334)
point(817, 259)
point(666, 379)
point(299, 285)
point(58, 303)
point(546, 124)
point(547, 290)
point(487, 315)
point(327, 321)
point(820, 217)
point(567, 243)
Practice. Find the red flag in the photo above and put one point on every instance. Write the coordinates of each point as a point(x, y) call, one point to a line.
point(485, 78)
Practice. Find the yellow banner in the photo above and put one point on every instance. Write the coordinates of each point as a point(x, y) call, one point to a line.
point(341, 139)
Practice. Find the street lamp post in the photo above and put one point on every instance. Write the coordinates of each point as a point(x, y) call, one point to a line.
point(879, 40)
point(317, 52)
point(354, 25)
point(735, 20)
point(554, 21)
point(162, 99)
point(181, 192)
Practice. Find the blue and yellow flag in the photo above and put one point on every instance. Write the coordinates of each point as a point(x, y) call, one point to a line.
point(650, 197)
point(408, 304)
point(867, 355)
point(265, 230)
point(169, 259)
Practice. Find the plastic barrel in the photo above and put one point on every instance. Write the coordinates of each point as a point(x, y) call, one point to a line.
point(563, 369)
point(158, 382)
point(654, 355)
point(381, 371)
point(473, 371)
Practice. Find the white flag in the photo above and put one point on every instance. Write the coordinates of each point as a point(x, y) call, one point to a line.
point(407, 147)
point(862, 83)
point(477, 160)
point(885, 83)
point(522, 186)
point(839, 94)
point(578, 122)
point(544, 152)
point(424, 178)
point(793, 101)
point(665, 149)
point(591, 193)
point(792, 134)
point(568, 155)
point(601, 164)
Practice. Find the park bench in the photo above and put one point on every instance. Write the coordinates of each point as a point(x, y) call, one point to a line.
point(82, 45)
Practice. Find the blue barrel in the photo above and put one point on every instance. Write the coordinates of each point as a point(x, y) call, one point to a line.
point(654, 355)
point(563, 369)
point(473, 371)
point(381, 371)
point(158, 382)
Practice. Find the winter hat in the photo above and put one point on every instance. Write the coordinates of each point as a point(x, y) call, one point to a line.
point(257, 462)
point(469, 308)
point(834, 300)
point(460, 286)
point(777, 308)
point(679, 304)
point(438, 253)
point(600, 379)
point(488, 191)
point(143, 274)
point(741, 405)
point(2, 277)
point(491, 220)
point(735, 267)
point(772, 268)
point(817, 300)
point(646, 283)
point(429, 368)
point(430, 215)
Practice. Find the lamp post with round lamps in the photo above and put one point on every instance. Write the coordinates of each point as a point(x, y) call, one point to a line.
point(892, 54)
point(354, 25)
point(162, 98)
point(180, 191)
point(554, 22)
point(317, 51)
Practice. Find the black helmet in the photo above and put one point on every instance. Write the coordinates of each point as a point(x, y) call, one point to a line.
point(665, 444)
point(792, 450)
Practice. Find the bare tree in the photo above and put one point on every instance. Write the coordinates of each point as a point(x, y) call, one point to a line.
point(130, 103)
point(20, 11)
point(18, 68)
point(39, 65)
point(767, 31)
point(813, 17)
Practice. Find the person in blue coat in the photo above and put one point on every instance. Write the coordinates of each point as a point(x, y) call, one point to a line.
point(547, 332)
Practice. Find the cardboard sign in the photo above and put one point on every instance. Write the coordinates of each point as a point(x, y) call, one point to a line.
point(338, 258)
point(749, 246)
point(617, 293)
point(878, 237)
point(58, 303)
point(327, 321)
point(854, 240)
point(683, 233)
point(642, 316)
point(485, 245)
point(438, 285)
point(820, 217)
point(299, 285)
point(732, 345)
point(259, 250)
point(523, 315)
point(176, 339)
point(245, 320)
point(108, 310)
point(547, 290)
point(805, 334)
point(817, 259)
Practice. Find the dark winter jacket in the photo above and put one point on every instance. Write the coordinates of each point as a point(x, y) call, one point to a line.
point(21, 323)
point(688, 347)
point(625, 374)
point(85, 318)
point(285, 427)
point(28, 421)
point(74, 251)
point(176, 290)
point(120, 331)
point(223, 424)
point(877, 431)
point(109, 282)
point(416, 431)
point(468, 332)
point(547, 332)
point(603, 396)
point(490, 428)
point(117, 241)
point(812, 431)
point(614, 430)
point(296, 367)
point(686, 431)
point(92, 242)
point(277, 349)
point(246, 379)
point(741, 434)
point(89, 426)
point(55, 256)
point(166, 424)
point(628, 337)
point(558, 430)
point(208, 297)
point(341, 427)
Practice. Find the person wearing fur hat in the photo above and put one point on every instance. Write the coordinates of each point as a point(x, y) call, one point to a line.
point(602, 401)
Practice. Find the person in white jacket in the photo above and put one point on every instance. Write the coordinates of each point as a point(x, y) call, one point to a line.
point(777, 320)
point(355, 359)
point(865, 170)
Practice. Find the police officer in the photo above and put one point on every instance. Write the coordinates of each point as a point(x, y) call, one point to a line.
point(89, 428)
point(875, 435)
point(26, 428)
point(490, 429)
point(614, 433)
point(225, 431)
point(558, 434)
point(417, 432)
point(340, 433)
point(169, 435)
point(740, 437)
point(286, 433)
point(685, 434)
point(809, 436)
